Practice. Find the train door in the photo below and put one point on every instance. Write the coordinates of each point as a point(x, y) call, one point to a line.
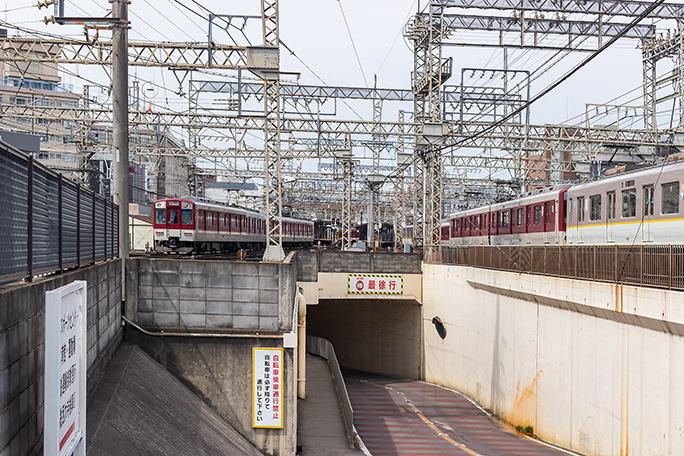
point(649, 201)
point(547, 217)
point(610, 217)
point(581, 215)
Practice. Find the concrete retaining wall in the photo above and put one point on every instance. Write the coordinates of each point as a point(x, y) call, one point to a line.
point(309, 264)
point(220, 372)
point(593, 367)
point(248, 301)
point(22, 348)
point(203, 294)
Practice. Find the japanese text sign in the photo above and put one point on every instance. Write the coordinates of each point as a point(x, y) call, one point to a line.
point(267, 387)
point(375, 284)
point(65, 370)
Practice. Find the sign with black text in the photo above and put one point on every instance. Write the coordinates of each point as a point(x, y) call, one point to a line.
point(267, 388)
point(375, 284)
point(65, 370)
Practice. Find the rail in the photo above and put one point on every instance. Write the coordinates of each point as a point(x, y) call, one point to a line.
point(323, 348)
point(49, 223)
point(658, 266)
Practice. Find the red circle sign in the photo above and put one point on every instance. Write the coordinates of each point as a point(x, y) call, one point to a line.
point(359, 285)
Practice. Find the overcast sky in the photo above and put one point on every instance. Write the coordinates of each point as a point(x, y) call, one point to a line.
point(320, 37)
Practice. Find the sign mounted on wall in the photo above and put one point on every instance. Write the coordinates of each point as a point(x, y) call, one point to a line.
point(267, 388)
point(65, 370)
point(375, 284)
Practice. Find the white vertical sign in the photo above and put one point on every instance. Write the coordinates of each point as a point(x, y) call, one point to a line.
point(65, 370)
point(267, 388)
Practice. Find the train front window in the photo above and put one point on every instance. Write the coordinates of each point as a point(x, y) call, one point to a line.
point(670, 192)
point(160, 215)
point(186, 217)
point(173, 216)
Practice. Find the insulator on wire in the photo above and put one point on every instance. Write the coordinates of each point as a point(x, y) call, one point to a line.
point(45, 4)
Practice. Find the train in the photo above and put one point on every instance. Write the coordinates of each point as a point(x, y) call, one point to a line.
point(629, 207)
point(329, 233)
point(192, 224)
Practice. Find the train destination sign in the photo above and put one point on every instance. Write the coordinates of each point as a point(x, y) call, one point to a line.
point(267, 388)
point(375, 284)
point(65, 370)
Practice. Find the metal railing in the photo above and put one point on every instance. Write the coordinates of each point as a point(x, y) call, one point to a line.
point(660, 266)
point(49, 223)
point(323, 348)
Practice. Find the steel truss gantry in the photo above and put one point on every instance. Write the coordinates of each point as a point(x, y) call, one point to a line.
point(536, 28)
point(273, 185)
point(430, 71)
point(175, 55)
point(653, 51)
point(625, 8)
point(465, 134)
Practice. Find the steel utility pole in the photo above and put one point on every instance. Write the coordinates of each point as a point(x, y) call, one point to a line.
point(120, 117)
point(119, 24)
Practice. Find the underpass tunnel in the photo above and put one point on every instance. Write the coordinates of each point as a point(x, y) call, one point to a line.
point(371, 335)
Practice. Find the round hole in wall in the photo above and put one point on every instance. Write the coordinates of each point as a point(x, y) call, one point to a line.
point(439, 326)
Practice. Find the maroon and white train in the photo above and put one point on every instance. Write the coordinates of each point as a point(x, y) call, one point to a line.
point(642, 206)
point(191, 224)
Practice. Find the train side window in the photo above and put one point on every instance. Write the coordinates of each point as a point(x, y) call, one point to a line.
point(504, 219)
point(648, 200)
point(611, 205)
point(595, 207)
point(538, 215)
point(670, 195)
point(160, 215)
point(520, 217)
point(629, 199)
point(580, 209)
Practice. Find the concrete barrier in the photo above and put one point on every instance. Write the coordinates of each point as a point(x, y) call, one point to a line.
point(310, 263)
point(203, 318)
point(22, 347)
point(593, 367)
point(210, 295)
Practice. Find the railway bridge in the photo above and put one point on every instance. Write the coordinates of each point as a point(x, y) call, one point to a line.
point(577, 344)
point(580, 345)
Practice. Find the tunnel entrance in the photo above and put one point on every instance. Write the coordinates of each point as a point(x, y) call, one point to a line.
point(378, 336)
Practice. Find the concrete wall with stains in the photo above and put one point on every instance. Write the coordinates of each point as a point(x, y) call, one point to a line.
point(593, 367)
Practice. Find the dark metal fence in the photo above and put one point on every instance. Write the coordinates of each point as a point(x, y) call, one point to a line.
point(660, 266)
point(48, 223)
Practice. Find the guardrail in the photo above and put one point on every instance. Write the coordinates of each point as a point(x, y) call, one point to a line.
point(323, 348)
point(659, 266)
point(49, 223)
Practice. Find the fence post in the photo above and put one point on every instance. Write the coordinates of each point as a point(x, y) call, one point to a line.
point(670, 266)
point(595, 250)
point(104, 231)
point(60, 217)
point(641, 260)
point(616, 264)
point(29, 259)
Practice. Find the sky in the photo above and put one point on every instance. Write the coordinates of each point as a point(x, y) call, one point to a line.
point(348, 43)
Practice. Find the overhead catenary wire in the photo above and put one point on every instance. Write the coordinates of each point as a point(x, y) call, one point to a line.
point(351, 38)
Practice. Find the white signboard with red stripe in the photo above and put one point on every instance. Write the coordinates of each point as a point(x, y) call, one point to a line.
point(65, 370)
point(375, 284)
point(267, 388)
